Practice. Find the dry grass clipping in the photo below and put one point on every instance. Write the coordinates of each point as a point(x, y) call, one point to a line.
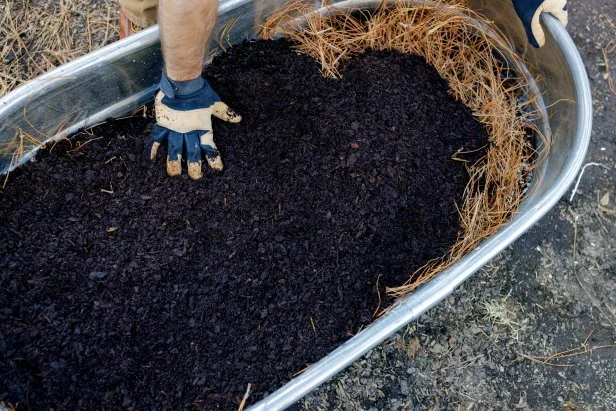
point(611, 46)
point(556, 359)
point(37, 36)
point(460, 45)
point(504, 312)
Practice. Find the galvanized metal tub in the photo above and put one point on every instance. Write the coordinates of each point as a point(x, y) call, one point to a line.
point(121, 77)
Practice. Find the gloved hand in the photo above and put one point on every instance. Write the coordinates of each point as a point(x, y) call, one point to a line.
point(529, 12)
point(184, 113)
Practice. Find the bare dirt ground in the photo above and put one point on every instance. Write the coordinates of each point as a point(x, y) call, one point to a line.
point(535, 329)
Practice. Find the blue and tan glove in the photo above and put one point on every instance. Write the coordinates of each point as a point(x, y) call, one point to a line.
point(530, 11)
point(184, 113)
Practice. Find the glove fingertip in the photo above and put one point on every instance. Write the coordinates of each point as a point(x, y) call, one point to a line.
point(174, 166)
point(151, 153)
point(194, 170)
point(215, 162)
point(234, 117)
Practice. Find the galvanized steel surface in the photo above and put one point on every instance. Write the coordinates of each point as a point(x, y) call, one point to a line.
point(121, 77)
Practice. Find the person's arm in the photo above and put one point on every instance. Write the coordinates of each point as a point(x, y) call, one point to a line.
point(530, 11)
point(186, 102)
point(185, 29)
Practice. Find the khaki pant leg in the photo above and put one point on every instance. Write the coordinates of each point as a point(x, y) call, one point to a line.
point(141, 12)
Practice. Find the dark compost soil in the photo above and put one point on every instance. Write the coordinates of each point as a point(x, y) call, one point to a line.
point(120, 287)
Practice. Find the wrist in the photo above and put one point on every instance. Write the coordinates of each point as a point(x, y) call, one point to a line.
point(177, 89)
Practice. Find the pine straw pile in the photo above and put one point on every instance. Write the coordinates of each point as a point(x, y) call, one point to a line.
point(461, 45)
point(36, 36)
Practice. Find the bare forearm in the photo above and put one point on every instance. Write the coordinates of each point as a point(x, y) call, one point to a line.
point(185, 27)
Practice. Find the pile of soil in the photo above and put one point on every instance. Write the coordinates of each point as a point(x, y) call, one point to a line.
point(121, 287)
